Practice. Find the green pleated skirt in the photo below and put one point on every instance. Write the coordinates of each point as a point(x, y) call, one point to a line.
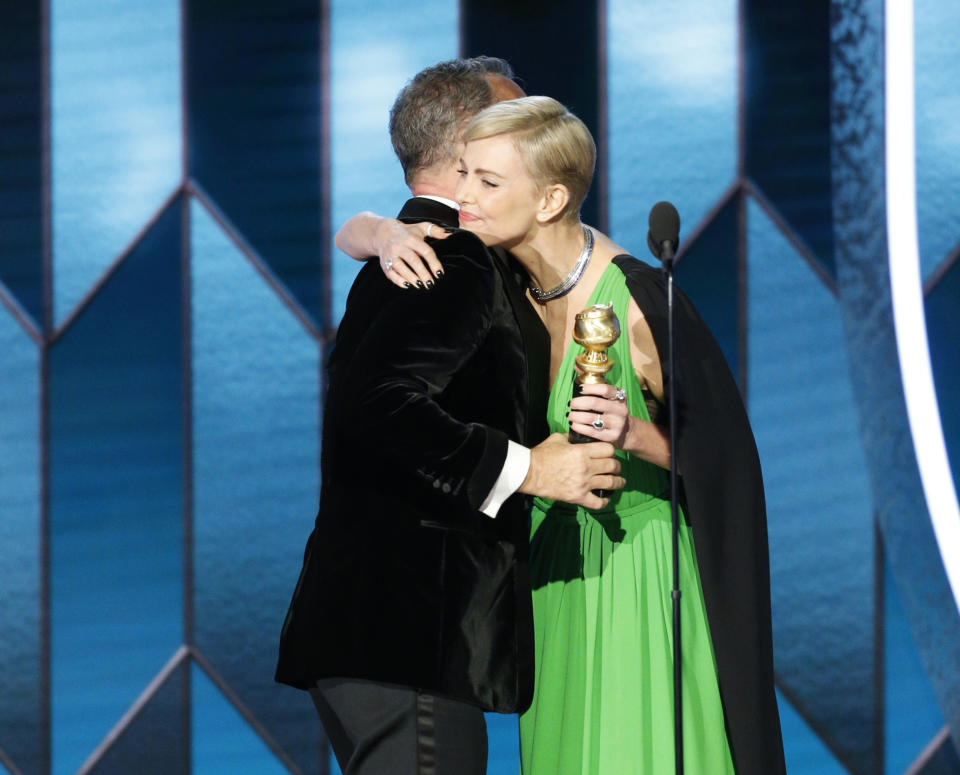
point(603, 616)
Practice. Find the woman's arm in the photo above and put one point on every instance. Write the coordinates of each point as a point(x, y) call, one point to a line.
point(639, 437)
point(405, 258)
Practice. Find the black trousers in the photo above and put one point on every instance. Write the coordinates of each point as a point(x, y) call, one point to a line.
point(384, 729)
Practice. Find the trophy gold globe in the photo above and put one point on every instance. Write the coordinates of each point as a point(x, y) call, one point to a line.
point(595, 329)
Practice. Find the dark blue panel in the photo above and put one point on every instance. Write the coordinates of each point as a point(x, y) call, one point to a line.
point(912, 718)
point(21, 704)
point(256, 477)
point(254, 100)
point(364, 171)
point(804, 751)
point(937, 71)
point(156, 741)
point(116, 537)
point(943, 333)
point(504, 28)
point(709, 273)
point(21, 155)
point(788, 114)
point(944, 761)
point(222, 740)
point(818, 497)
point(115, 129)
point(672, 110)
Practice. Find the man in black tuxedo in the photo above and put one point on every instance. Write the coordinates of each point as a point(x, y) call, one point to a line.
point(412, 613)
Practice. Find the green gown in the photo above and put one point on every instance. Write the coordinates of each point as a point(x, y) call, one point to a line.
point(603, 698)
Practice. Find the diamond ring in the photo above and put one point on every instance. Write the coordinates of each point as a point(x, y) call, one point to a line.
point(620, 395)
point(388, 264)
point(598, 423)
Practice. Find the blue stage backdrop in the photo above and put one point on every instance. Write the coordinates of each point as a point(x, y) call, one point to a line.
point(169, 174)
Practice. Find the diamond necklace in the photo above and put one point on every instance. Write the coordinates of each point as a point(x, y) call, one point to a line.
point(575, 274)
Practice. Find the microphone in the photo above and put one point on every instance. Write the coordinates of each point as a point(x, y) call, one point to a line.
point(664, 231)
point(662, 239)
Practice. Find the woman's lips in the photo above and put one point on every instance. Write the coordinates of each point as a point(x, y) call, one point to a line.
point(466, 217)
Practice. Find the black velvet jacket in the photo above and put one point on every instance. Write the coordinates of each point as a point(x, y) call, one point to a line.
point(723, 498)
point(404, 580)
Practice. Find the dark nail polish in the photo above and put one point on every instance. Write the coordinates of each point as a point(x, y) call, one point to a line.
point(449, 229)
point(429, 283)
point(407, 285)
point(420, 285)
point(439, 273)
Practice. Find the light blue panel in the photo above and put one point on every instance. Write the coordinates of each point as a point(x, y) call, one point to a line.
point(912, 718)
point(20, 571)
point(936, 29)
point(222, 741)
point(115, 130)
point(818, 499)
point(803, 750)
point(256, 471)
point(672, 110)
point(116, 495)
point(377, 46)
point(504, 744)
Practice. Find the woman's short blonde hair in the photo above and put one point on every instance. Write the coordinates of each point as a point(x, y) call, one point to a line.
point(555, 145)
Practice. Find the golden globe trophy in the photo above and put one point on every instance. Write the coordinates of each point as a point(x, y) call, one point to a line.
point(595, 329)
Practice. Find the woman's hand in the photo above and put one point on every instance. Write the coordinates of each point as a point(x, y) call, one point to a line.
point(601, 413)
point(405, 258)
point(606, 406)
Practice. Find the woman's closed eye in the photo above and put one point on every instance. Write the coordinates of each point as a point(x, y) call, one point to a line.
point(490, 183)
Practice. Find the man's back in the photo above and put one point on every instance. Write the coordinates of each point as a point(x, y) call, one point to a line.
point(405, 581)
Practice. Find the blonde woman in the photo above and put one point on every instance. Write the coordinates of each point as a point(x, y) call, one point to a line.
point(602, 579)
point(603, 699)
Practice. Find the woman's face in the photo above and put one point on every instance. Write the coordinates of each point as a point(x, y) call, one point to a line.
point(498, 198)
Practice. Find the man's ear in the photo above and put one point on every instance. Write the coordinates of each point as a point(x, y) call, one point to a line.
point(553, 202)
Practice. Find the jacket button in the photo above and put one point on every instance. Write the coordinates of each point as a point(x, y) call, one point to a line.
point(446, 487)
point(436, 482)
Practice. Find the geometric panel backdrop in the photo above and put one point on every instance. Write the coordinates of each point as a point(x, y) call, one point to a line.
point(169, 173)
point(115, 493)
point(375, 47)
point(22, 692)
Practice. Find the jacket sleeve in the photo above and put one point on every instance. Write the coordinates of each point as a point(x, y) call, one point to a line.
point(389, 389)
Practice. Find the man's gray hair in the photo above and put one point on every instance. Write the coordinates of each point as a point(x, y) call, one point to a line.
point(433, 108)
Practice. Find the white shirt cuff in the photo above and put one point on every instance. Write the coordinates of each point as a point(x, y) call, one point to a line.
point(514, 471)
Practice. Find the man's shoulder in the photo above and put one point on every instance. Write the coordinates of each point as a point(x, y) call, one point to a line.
point(460, 241)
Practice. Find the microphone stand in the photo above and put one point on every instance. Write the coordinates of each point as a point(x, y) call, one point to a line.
point(668, 264)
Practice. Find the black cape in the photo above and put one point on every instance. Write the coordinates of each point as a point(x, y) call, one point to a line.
point(722, 491)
